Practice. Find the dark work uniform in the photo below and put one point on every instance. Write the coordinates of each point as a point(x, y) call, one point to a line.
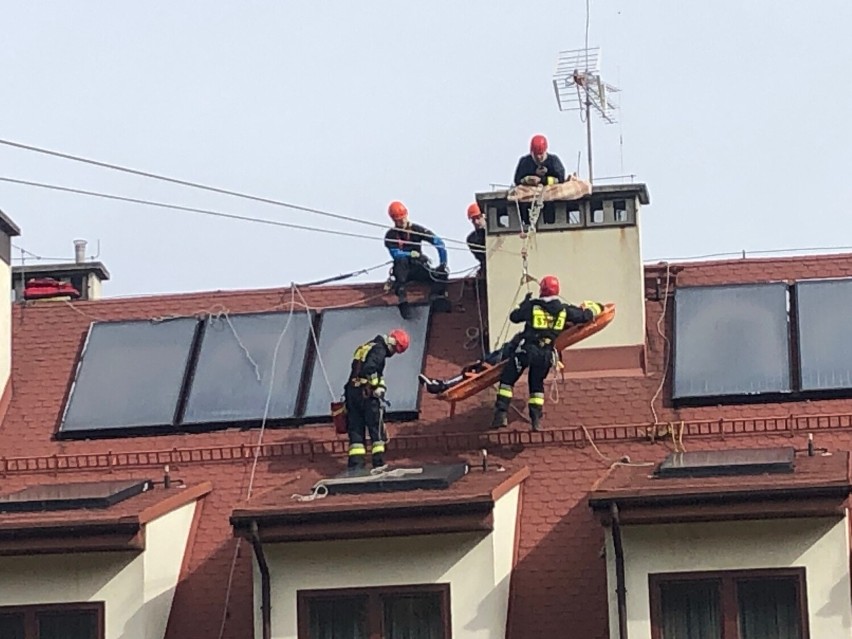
point(528, 166)
point(400, 243)
point(476, 244)
point(544, 319)
point(363, 408)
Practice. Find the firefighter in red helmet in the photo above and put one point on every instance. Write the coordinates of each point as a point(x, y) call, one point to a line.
point(363, 394)
point(544, 317)
point(539, 167)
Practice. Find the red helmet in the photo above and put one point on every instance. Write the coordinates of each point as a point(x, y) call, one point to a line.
point(549, 286)
point(473, 211)
point(400, 340)
point(538, 145)
point(397, 210)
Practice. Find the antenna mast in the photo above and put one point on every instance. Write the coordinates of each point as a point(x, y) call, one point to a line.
point(579, 87)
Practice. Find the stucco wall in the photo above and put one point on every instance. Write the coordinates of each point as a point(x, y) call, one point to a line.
point(476, 566)
point(600, 264)
point(820, 545)
point(137, 588)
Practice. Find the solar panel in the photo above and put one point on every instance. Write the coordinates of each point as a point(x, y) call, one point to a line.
point(728, 462)
point(129, 375)
point(343, 330)
point(731, 340)
point(100, 494)
point(232, 376)
point(427, 477)
point(823, 309)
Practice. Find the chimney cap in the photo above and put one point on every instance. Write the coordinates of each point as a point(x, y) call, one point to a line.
point(61, 270)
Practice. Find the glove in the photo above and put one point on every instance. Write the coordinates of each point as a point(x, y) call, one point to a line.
point(415, 255)
point(527, 297)
point(541, 171)
point(442, 268)
point(531, 180)
point(595, 307)
point(379, 392)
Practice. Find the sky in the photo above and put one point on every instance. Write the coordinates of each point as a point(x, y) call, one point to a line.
point(735, 114)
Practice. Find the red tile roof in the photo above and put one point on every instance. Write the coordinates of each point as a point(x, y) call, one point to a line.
point(591, 422)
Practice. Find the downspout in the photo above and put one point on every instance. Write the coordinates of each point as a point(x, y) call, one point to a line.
point(265, 588)
point(620, 590)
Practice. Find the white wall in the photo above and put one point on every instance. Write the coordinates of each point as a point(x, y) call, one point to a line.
point(476, 566)
point(137, 588)
point(600, 264)
point(820, 545)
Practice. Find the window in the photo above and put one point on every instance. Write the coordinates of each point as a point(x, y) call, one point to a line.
point(56, 621)
point(729, 605)
point(401, 612)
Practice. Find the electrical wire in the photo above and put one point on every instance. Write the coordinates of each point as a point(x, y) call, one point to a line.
point(198, 185)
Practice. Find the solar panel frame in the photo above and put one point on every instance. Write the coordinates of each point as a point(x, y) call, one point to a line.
point(823, 308)
point(713, 463)
point(72, 496)
point(745, 309)
point(401, 370)
point(231, 344)
point(93, 388)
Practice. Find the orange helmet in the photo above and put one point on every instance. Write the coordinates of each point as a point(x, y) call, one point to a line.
point(400, 340)
point(549, 286)
point(473, 211)
point(397, 210)
point(538, 145)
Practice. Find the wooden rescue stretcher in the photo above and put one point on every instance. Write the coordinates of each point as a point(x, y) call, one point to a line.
point(477, 382)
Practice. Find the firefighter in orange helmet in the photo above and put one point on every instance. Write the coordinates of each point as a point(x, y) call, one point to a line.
point(404, 242)
point(544, 317)
point(363, 394)
point(476, 238)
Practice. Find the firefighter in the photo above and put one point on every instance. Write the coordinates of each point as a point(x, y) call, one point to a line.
point(364, 393)
point(539, 167)
point(544, 318)
point(404, 242)
point(476, 239)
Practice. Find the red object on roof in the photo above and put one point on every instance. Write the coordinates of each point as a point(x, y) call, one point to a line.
point(47, 288)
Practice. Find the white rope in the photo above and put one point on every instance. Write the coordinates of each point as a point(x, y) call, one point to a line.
point(316, 345)
point(320, 489)
point(256, 453)
point(240, 342)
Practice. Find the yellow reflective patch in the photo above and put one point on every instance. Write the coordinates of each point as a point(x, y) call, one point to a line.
point(357, 449)
point(378, 447)
point(536, 401)
point(542, 320)
point(361, 351)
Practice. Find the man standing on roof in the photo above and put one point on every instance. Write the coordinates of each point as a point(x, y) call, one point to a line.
point(539, 167)
point(476, 239)
point(364, 393)
point(544, 318)
point(404, 242)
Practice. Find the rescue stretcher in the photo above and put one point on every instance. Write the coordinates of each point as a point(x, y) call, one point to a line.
point(476, 382)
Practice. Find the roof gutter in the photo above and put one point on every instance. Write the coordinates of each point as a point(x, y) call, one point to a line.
point(620, 589)
point(265, 587)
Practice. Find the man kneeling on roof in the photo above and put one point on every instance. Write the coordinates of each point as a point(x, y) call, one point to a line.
point(364, 393)
point(404, 242)
point(544, 318)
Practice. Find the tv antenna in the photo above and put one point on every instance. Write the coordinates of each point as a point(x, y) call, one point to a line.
point(579, 87)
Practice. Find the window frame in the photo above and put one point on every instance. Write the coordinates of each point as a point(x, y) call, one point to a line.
point(727, 580)
point(374, 595)
point(30, 613)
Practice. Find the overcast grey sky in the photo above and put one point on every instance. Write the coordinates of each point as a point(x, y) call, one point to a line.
point(736, 115)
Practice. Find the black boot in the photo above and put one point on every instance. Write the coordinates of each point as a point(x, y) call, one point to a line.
point(501, 418)
point(535, 417)
point(441, 303)
point(356, 462)
point(433, 386)
point(379, 462)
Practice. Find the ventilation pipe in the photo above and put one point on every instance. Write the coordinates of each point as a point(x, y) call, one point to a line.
point(80, 251)
point(620, 590)
point(265, 587)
